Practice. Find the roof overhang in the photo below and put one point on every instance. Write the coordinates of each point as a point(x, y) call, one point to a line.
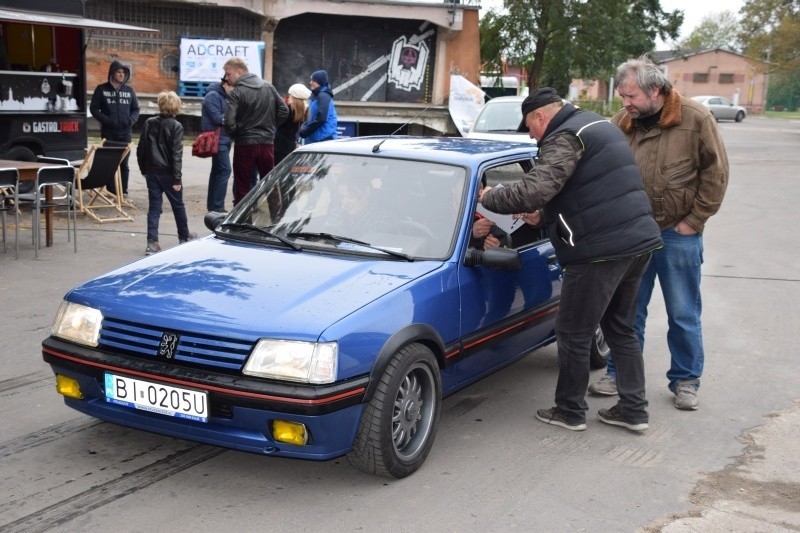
point(46, 19)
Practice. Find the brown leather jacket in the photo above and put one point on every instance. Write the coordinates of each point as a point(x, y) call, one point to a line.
point(683, 161)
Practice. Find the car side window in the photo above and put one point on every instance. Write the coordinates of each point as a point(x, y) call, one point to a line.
point(505, 175)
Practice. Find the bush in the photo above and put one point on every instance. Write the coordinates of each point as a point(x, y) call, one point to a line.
point(601, 107)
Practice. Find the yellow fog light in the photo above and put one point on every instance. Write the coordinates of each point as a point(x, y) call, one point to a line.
point(289, 432)
point(68, 387)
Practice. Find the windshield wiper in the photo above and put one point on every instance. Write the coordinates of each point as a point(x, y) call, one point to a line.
point(341, 238)
point(251, 227)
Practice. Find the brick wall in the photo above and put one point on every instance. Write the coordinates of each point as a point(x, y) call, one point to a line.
point(149, 70)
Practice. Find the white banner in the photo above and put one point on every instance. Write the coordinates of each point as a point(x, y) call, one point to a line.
point(202, 59)
point(466, 101)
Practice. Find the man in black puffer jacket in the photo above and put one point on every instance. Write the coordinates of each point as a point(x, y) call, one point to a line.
point(587, 186)
point(116, 108)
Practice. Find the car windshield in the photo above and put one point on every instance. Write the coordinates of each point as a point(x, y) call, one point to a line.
point(393, 208)
point(499, 117)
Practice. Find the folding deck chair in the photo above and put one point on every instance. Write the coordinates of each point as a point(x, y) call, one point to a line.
point(100, 168)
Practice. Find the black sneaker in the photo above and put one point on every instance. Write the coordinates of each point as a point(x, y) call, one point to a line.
point(556, 417)
point(190, 237)
point(614, 417)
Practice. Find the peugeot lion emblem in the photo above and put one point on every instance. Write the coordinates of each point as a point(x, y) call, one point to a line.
point(168, 345)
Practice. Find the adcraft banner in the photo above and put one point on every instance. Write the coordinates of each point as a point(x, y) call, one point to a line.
point(466, 101)
point(202, 59)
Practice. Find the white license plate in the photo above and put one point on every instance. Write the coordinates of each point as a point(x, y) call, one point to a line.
point(157, 397)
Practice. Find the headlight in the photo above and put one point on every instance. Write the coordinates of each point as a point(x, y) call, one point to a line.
point(78, 323)
point(307, 362)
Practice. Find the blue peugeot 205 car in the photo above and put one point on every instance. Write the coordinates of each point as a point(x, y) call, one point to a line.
point(328, 314)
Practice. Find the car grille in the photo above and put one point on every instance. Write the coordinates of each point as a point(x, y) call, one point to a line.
point(192, 348)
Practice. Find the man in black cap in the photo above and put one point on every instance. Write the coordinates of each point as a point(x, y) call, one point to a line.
point(587, 186)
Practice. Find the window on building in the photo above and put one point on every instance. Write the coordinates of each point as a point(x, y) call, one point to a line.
point(700, 77)
point(726, 78)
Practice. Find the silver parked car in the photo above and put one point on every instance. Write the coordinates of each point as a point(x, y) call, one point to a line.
point(499, 120)
point(722, 108)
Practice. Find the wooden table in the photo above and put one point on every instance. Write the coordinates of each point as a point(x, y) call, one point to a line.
point(27, 172)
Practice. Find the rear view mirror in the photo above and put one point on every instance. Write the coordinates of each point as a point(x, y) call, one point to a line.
point(496, 258)
point(212, 220)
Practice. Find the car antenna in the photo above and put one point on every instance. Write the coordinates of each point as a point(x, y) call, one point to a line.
point(406, 123)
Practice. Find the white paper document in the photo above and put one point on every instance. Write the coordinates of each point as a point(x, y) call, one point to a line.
point(506, 223)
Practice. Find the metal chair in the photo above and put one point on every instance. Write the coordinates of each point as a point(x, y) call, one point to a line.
point(9, 188)
point(37, 201)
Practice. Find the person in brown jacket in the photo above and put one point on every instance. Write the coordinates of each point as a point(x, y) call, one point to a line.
point(683, 162)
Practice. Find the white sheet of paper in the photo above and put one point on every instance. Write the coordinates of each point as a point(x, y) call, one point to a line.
point(504, 222)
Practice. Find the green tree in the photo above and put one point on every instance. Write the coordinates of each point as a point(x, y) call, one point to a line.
point(556, 40)
point(784, 90)
point(714, 31)
point(770, 30)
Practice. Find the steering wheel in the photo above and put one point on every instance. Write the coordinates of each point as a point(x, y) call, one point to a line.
point(414, 229)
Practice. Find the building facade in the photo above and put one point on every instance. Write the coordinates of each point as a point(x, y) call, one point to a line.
point(721, 73)
point(388, 61)
point(715, 72)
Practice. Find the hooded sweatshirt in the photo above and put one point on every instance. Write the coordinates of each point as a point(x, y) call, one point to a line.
point(117, 110)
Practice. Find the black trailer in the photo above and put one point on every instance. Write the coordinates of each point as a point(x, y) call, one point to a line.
point(43, 108)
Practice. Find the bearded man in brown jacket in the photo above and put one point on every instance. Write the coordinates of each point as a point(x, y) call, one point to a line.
point(680, 153)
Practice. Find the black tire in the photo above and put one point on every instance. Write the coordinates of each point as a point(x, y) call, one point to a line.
point(740, 116)
point(399, 424)
point(598, 357)
point(20, 153)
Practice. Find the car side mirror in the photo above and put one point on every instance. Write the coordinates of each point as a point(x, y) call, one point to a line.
point(212, 220)
point(496, 258)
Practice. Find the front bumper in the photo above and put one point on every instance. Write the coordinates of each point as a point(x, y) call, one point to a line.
point(241, 412)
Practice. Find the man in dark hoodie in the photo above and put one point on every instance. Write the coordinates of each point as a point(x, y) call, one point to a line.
point(322, 122)
point(255, 110)
point(116, 108)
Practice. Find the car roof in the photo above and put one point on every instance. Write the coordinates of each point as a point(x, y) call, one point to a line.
point(506, 99)
point(447, 150)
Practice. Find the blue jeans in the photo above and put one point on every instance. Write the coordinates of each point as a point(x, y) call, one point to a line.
point(157, 186)
point(218, 179)
point(677, 266)
point(602, 293)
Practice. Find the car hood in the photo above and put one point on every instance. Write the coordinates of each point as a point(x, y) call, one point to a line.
point(246, 289)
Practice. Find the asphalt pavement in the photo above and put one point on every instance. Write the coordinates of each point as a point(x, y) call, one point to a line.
point(733, 465)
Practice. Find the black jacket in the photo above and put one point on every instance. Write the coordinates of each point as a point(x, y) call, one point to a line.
point(160, 149)
point(254, 110)
point(117, 110)
point(602, 212)
point(286, 137)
